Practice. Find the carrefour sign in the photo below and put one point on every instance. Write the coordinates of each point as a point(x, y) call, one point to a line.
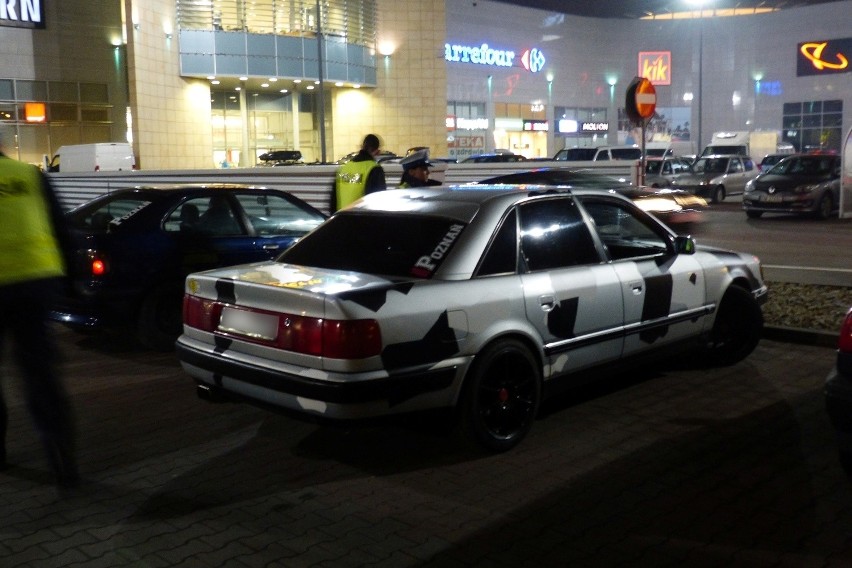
point(22, 13)
point(532, 60)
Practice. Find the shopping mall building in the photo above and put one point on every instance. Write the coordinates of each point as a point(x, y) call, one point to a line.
point(203, 83)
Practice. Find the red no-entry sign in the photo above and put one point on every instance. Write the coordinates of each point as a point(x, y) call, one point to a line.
point(641, 101)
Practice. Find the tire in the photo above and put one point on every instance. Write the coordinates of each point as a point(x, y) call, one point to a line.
point(160, 319)
point(501, 396)
point(754, 214)
point(717, 194)
point(824, 207)
point(736, 329)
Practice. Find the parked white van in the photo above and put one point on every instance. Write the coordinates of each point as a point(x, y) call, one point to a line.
point(100, 157)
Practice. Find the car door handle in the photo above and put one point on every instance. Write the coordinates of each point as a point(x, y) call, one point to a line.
point(547, 303)
point(270, 246)
point(636, 287)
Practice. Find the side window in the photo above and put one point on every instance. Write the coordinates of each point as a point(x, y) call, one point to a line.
point(625, 234)
point(736, 166)
point(271, 214)
point(502, 254)
point(749, 165)
point(204, 216)
point(554, 235)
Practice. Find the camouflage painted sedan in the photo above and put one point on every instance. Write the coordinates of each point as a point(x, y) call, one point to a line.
point(472, 298)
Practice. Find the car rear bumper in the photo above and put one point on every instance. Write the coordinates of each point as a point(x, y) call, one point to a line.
point(788, 205)
point(331, 397)
point(94, 309)
point(838, 404)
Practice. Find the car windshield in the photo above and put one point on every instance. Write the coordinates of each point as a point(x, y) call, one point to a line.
point(397, 246)
point(105, 215)
point(710, 166)
point(626, 153)
point(804, 166)
point(653, 166)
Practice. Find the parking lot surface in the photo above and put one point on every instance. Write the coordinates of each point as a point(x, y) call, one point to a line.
point(678, 466)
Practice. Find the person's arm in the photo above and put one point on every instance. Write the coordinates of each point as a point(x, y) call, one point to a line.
point(376, 180)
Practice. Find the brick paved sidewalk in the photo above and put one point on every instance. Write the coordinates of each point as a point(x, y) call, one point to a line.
point(685, 467)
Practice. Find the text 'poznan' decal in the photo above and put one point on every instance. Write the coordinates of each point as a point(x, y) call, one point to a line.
point(427, 264)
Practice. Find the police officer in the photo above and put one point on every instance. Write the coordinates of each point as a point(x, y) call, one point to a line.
point(32, 240)
point(361, 175)
point(415, 170)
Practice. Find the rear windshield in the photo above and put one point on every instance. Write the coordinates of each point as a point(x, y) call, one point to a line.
point(103, 215)
point(401, 246)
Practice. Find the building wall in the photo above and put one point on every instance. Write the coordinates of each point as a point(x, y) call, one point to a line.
point(583, 54)
point(409, 105)
point(171, 115)
point(80, 43)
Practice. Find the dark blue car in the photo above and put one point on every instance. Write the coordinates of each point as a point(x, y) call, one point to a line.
point(135, 247)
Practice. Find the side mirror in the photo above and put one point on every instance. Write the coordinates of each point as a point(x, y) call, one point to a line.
point(684, 244)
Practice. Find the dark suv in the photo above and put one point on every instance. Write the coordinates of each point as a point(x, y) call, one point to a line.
point(800, 183)
point(135, 247)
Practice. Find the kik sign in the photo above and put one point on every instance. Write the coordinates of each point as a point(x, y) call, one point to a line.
point(824, 57)
point(22, 13)
point(532, 60)
point(656, 66)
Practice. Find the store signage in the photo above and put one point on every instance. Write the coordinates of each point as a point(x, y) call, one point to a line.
point(456, 123)
point(656, 66)
point(467, 142)
point(535, 126)
point(35, 112)
point(824, 57)
point(567, 126)
point(22, 13)
point(594, 126)
point(532, 59)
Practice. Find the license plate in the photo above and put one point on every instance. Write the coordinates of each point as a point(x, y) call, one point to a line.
point(249, 324)
point(772, 198)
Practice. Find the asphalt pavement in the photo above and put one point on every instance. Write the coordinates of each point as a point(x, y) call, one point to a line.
point(675, 466)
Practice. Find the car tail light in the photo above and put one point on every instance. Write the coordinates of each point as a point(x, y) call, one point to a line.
point(336, 339)
point(95, 263)
point(844, 343)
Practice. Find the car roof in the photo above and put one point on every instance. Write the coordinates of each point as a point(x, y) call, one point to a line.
point(189, 188)
point(462, 202)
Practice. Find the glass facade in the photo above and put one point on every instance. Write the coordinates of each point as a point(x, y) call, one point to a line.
point(814, 125)
point(45, 115)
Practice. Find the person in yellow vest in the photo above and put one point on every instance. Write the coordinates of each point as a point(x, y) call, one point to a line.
point(360, 175)
point(33, 241)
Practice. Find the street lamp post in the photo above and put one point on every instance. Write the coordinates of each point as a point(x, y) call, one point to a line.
point(700, 5)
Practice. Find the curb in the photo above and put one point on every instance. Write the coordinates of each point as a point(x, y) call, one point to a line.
point(801, 336)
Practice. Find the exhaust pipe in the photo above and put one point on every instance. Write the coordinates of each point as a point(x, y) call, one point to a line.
point(210, 394)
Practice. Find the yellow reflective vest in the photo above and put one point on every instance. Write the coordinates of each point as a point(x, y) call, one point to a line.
point(29, 249)
point(351, 181)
